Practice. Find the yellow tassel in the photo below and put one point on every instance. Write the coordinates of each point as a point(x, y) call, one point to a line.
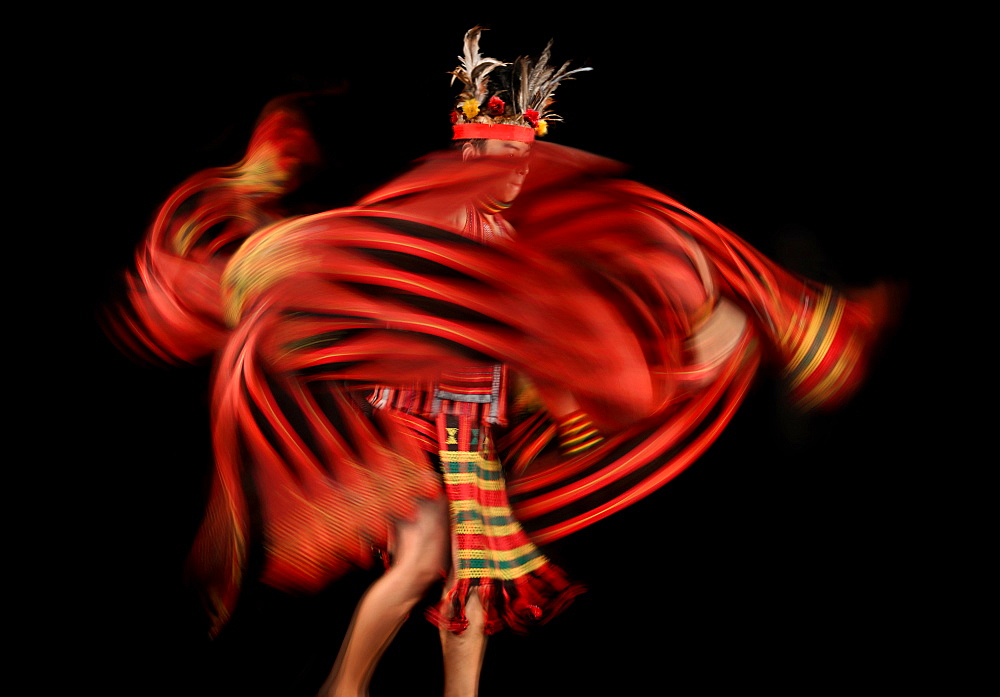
point(471, 108)
point(542, 128)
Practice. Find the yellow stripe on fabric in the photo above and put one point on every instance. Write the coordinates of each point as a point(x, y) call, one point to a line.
point(807, 335)
point(486, 511)
point(477, 527)
point(499, 554)
point(821, 351)
point(815, 322)
point(583, 436)
point(808, 342)
point(473, 478)
point(583, 446)
point(575, 430)
point(833, 380)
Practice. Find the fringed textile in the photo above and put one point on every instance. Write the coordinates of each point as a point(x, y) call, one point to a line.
point(493, 557)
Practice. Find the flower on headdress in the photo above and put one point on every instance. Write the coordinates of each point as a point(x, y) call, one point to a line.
point(531, 116)
point(542, 127)
point(454, 116)
point(495, 106)
point(471, 108)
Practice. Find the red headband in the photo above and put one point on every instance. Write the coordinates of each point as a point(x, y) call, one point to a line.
point(493, 131)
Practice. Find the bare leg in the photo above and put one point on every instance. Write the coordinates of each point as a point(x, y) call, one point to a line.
point(463, 653)
point(420, 555)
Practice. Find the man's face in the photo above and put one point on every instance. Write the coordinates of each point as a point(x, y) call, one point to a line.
point(507, 188)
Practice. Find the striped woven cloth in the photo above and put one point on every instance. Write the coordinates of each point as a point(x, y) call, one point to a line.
point(517, 584)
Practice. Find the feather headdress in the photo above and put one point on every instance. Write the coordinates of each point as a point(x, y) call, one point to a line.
point(537, 82)
point(474, 69)
point(518, 107)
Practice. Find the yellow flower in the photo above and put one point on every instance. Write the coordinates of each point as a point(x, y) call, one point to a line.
point(471, 108)
point(542, 128)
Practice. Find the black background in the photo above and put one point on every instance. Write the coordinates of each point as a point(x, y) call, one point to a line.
point(795, 554)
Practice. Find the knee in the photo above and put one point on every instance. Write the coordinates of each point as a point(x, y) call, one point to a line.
point(423, 550)
point(425, 572)
point(414, 580)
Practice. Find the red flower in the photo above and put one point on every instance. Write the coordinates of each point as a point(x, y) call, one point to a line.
point(454, 117)
point(495, 106)
point(531, 116)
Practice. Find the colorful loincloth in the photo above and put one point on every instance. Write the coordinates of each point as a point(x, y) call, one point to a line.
point(492, 556)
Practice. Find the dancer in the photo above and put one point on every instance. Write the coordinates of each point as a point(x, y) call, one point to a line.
point(378, 363)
